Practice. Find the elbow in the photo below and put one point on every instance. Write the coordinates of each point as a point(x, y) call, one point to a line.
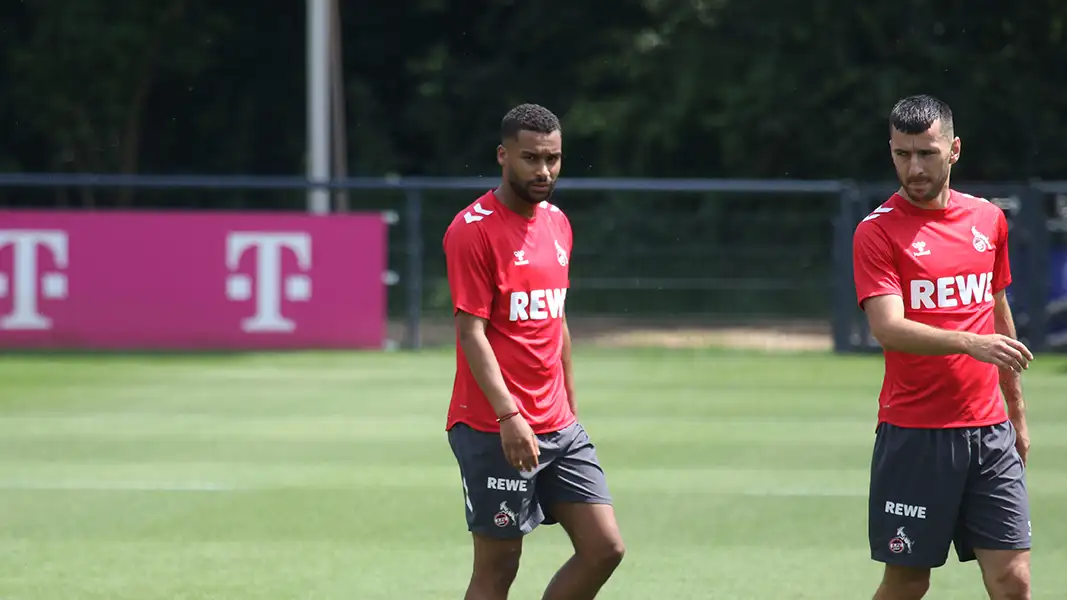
point(470, 338)
point(466, 339)
point(883, 335)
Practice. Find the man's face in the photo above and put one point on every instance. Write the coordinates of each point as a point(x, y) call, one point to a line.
point(923, 160)
point(531, 164)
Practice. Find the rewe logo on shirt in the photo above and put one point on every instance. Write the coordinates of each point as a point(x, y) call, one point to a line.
point(537, 305)
point(951, 292)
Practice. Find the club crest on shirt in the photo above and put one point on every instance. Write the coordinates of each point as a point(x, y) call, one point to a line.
point(980, 241)
point(561, 255)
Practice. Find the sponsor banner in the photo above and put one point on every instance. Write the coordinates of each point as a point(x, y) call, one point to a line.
point(192, 281)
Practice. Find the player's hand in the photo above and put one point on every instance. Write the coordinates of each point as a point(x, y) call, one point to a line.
point(1003, 351)
point(520, 443)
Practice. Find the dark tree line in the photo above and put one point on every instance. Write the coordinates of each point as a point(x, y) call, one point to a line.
point(759, 88)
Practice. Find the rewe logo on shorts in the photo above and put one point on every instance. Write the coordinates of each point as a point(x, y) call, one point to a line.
point(537, 305)
point(506, 485)
point(905, 510)
point(951, 292)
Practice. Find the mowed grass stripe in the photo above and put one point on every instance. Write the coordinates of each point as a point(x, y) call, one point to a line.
point(775, 480)
point(328, 476)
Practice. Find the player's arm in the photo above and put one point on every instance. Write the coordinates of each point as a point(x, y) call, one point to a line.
point(482, 362)
point(1010, 381)
point(899, 334)
point(879, 294)
point(878, 287)
point(471, 283)
point(568, 367)
point(1011, 384)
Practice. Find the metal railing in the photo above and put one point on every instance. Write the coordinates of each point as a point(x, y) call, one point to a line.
point(1026, 204)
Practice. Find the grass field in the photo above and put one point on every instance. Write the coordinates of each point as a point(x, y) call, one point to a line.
point(328, 476)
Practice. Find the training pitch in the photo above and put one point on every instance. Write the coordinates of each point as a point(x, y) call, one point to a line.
point(328, 476)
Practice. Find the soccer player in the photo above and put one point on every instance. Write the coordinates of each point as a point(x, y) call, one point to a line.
point(948, 465)
point(512, 423)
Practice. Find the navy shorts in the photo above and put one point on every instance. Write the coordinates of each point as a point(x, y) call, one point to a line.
point(932, 488)
point(502, 502)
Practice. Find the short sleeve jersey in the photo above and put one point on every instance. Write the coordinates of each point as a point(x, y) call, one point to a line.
point(514, 272)
point(947, 265)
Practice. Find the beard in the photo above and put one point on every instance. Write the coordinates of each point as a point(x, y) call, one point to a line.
point(523, 191)
point(934, 187)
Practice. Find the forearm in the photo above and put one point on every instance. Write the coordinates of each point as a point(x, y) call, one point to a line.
point(903, 335)
point(1011, 385)
point(486, 371)
point(568, 368)
point(1011, 382)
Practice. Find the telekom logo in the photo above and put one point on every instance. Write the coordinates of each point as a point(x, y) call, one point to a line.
point(270, 286)
point(21, 283)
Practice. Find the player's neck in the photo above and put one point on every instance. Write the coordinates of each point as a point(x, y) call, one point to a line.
point(514, 203)
point(938, 203)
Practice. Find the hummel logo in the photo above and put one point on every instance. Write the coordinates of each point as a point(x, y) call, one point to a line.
point(520, 258)
point(920, 249)
point(478, 209)
point(881, 210)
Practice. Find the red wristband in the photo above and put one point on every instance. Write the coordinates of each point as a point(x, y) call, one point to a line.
point(506, 417)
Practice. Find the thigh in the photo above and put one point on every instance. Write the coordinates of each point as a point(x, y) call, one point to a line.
point(592, 528)
point(917, 483)
point(500, 501)
point(995, 514)
point(573, 474)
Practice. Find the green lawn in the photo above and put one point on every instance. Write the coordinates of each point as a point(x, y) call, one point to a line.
point(328, 476)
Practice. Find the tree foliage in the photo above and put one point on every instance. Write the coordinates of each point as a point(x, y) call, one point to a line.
point(760, 88)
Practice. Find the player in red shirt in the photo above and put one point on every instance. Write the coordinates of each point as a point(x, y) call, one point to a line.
point(523, 457)
point(931, 267)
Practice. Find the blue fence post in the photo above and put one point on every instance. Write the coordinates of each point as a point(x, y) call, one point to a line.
point(842, 269)
point(413, 228)
point(843, 305)
point(1038, 292)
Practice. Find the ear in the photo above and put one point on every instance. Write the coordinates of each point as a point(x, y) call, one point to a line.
point(501, 155)
point(954, 151)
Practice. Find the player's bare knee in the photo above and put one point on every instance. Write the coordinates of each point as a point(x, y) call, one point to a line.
point(905, 583)
point(496, 570)
point(1012, 584)
point(604, 554)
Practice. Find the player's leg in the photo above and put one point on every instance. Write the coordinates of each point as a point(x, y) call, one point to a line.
point(917, 482)
point(496, 563)
point(994, 526)
point(598, 550)
point(1006, 573)
point(500, 509)
point(903, 583)
point(575, 492)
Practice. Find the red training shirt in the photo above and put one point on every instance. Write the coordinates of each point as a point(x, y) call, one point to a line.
point(514, 272)
point(947, 265)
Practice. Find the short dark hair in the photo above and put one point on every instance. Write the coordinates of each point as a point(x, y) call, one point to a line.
point(529, 117)
point(915, 114)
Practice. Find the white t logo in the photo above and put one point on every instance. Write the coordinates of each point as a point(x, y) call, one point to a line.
point(22, 283)
point(269, 282)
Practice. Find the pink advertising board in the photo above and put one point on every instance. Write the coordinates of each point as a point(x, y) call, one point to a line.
point(192, 281)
